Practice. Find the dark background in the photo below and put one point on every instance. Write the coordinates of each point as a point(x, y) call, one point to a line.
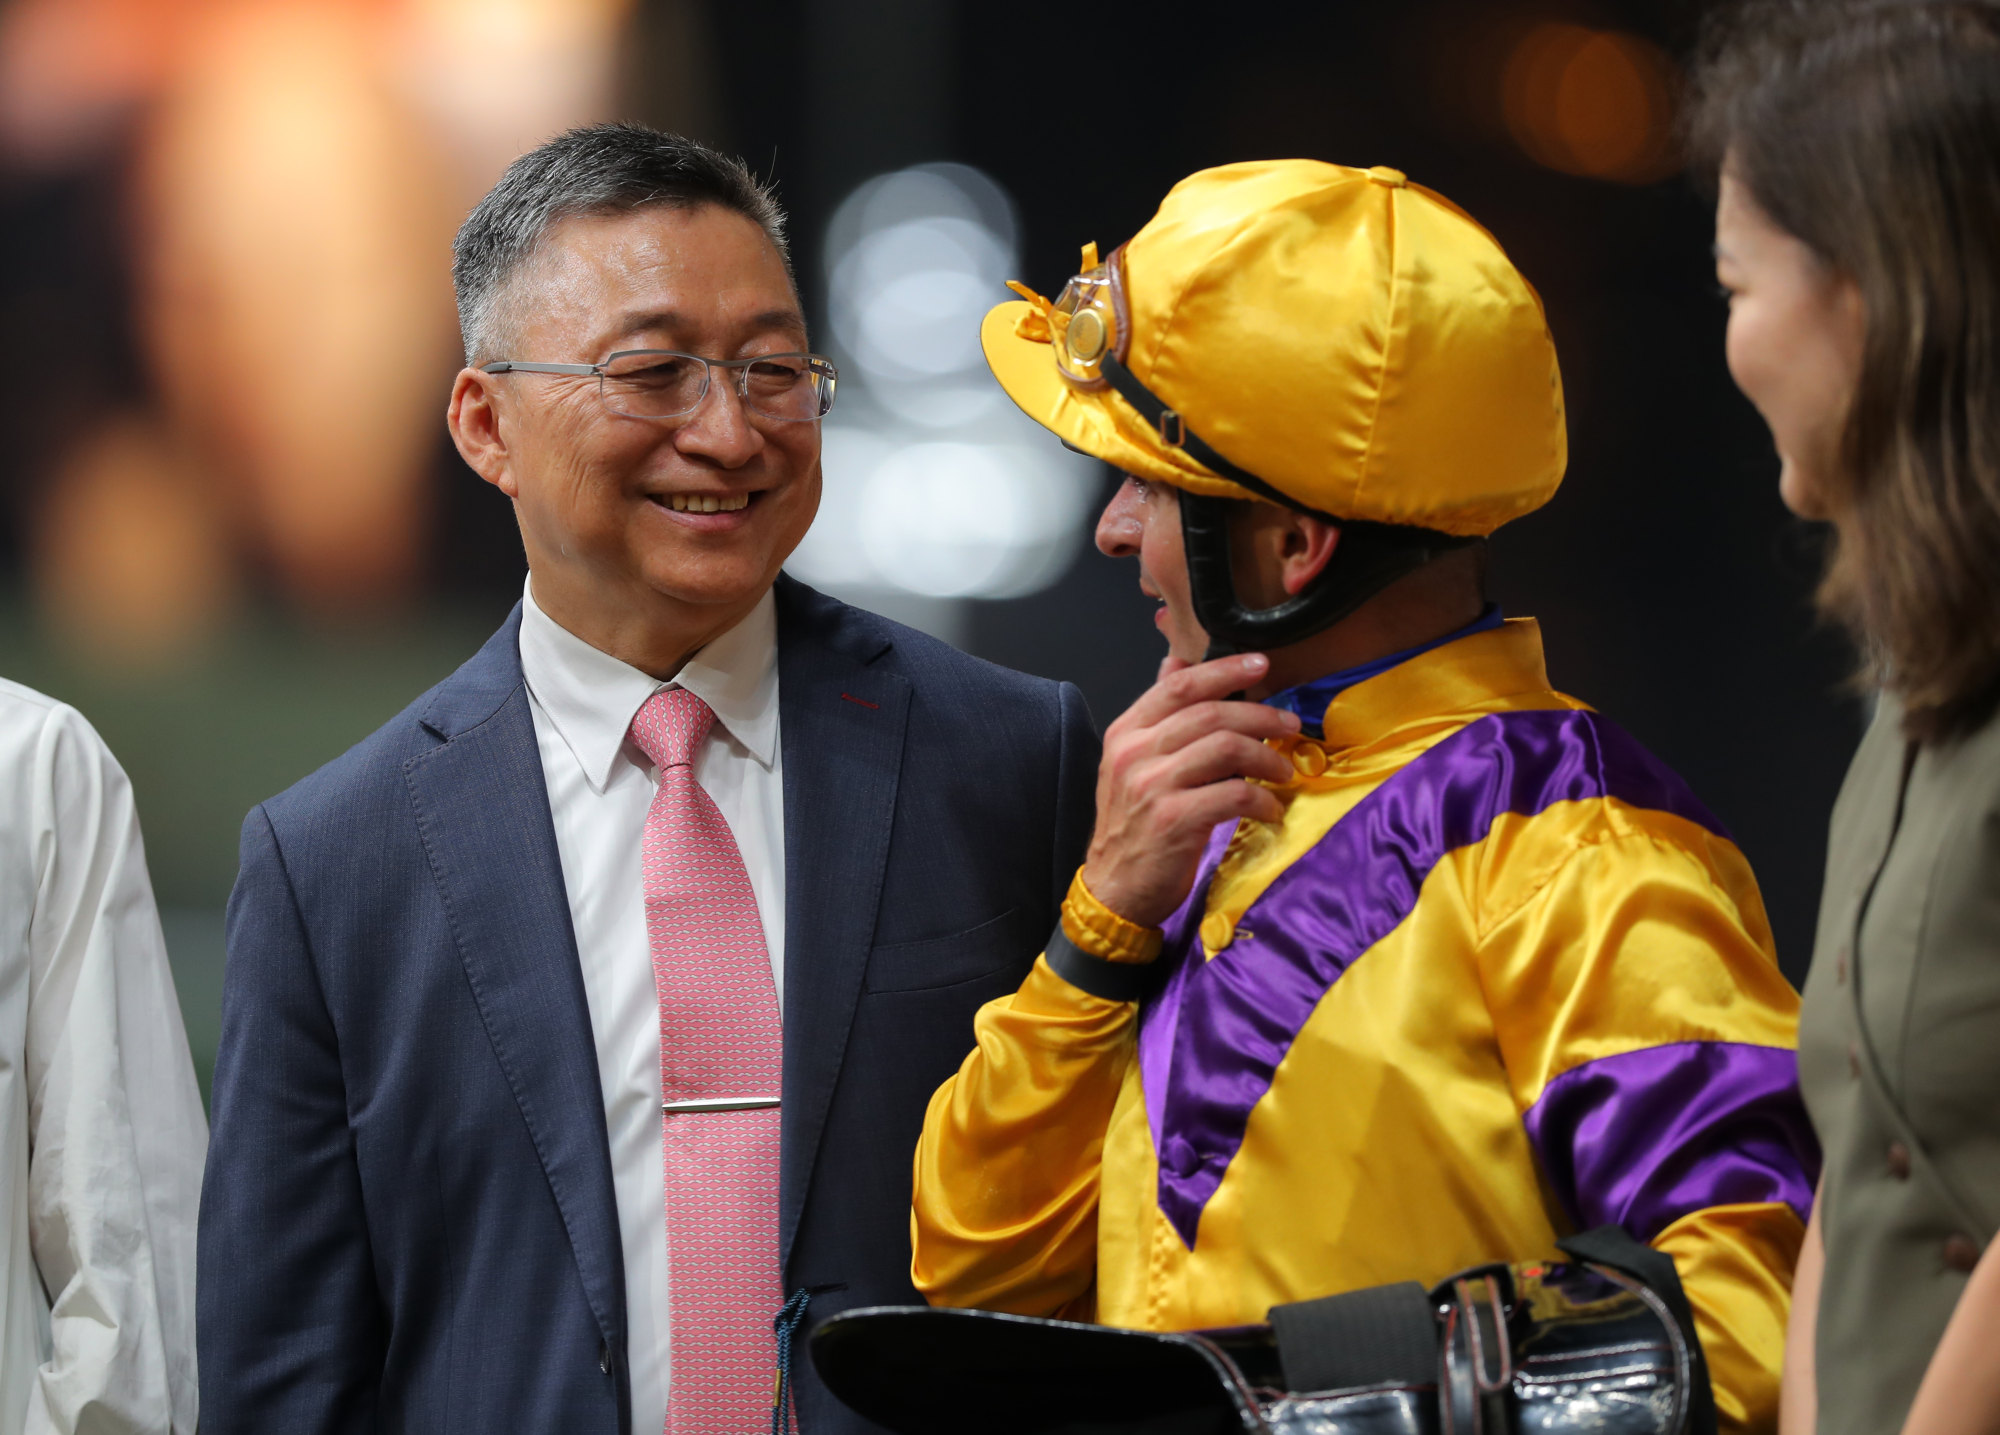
point(1673, 588)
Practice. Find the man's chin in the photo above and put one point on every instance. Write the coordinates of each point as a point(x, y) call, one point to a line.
point(1189, 649)
point(1185, 638)
point(710, 580)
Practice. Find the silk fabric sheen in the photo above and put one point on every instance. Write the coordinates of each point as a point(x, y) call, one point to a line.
point(1421, 1060)
point(1355, 886)
point(1440, 406)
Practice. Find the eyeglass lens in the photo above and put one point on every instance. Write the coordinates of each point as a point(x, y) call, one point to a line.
point(656, 384)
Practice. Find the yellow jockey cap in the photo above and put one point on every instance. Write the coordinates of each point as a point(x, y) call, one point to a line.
point(1341, 339)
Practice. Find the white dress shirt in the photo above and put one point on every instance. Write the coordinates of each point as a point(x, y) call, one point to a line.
point(600, 787)
point(101, 1130)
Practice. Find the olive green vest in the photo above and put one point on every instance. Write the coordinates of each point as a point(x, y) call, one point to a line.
point(1899, 1057)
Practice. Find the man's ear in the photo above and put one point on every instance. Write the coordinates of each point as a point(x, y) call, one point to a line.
point(1307, 548)
point(473, 417)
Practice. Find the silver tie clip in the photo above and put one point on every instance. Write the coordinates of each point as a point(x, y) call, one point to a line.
point(716, 1103)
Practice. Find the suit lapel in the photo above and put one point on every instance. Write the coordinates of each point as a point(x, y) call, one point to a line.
point(482, 809)
point(841, 719)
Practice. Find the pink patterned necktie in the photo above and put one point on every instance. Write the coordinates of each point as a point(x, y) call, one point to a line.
point(719, 1039)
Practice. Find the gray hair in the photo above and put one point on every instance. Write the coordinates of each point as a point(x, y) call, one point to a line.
point(593, 169)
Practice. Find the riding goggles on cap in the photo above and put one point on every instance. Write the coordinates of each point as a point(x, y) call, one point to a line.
point(1089, 327)
point(1088, 320)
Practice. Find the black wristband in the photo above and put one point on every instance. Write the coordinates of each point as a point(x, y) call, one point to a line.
point(1113, 981)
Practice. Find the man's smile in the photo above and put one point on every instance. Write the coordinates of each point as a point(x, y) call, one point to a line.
point(705, 502)
point(707, 509)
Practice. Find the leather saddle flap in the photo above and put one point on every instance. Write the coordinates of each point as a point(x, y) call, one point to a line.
point(920, 1371)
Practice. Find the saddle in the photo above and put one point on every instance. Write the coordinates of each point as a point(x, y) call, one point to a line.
point(1602, 1342)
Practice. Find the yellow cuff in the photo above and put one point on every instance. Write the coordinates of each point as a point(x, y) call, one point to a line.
point(1100, 932)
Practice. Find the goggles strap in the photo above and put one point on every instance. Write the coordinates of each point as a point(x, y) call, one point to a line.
point(1369, 558)
point(1175, 433)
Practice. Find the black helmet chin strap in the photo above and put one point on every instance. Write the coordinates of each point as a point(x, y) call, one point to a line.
point(1370, 556)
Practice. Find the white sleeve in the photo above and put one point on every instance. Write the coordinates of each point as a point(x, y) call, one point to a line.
point(117, 1137)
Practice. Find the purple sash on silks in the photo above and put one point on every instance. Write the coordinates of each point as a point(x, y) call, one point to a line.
point(1640, 1138)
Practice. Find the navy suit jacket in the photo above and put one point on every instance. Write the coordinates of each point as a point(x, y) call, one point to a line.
point(408, 1221)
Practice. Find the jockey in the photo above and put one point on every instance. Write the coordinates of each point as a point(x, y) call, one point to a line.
point(1465, 968)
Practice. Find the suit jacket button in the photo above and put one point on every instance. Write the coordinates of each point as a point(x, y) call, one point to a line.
point(1854, 1060)
point(604, 1356)
point(1960, 1254)
point(1899, 1161)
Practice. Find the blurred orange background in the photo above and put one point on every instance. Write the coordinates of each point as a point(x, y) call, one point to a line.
point(232, 530)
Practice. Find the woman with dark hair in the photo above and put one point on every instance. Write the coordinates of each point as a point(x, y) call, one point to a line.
point(1857, 147)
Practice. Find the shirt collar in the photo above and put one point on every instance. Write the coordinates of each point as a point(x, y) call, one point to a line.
point(1486, 669)
point(592, 697)
point(1309, 700)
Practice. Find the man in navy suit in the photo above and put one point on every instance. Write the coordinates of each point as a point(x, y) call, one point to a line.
point(434, 1198)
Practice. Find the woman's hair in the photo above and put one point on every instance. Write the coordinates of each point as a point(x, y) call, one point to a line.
point(1870, 130)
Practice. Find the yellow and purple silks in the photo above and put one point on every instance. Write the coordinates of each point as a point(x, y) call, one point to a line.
point(1496, 976)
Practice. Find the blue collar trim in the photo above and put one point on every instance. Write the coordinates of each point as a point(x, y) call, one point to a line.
point(1310, 700)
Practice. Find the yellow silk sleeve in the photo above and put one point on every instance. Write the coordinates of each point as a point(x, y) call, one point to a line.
point(1101, 932)
point(1736, 1264)
point(1632, 930)
point(1649, 1037)
point(1003, 1212)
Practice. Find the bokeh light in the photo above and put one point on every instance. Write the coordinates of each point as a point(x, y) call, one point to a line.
point(72, 71)
point(914, 259)
point(294, 170)
point(135, 547)
point(497, 77)
point(293, 302)
point(1589, 102)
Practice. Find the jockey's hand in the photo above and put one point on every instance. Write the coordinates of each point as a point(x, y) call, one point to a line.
point(1176, 763)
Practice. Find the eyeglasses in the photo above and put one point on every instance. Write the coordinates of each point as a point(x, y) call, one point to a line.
point(663, 384)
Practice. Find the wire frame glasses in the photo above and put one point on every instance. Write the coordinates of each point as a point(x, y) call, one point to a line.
point(665, 384)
